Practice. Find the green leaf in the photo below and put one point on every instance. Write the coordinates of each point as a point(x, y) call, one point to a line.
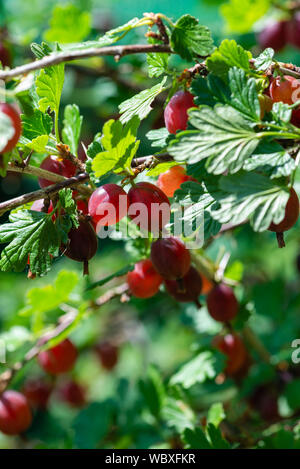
point(240, 19)
point(195, 439)
point(72, 127)
point(95, 147)
point(223, 136)
point(264, 60)
point(178, 415)
point(244, 96)
point(210, 90)
point(215, 414)
point(157, 64)
point(228, 55)
point(7, 130)
point(190, 39)
point(216, 439)
point(119, 273)
point(120, 146)
point(37, 144)
point(281, 112)
point(41, 50)
point(68, 24)
point(49, 85)
point(37, 124)
point(153, 391)
point(198, 370)
point(161, 168)
point(49, 297)
point(251, 196)
point(271, 159)
point(92, 424)
point(159, 137)
point(31, 234)
point(292, 392)
point(140, 104)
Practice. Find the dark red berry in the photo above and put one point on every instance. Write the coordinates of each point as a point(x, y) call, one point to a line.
point(37, 392)
point(232, 346)
point(144, 281)
point(5, 56)
point(149, 207)
point(170, 258)
point(293, 31)
point(108, 354)
point(188, 289)
point(265, 401)
point(58, 359)
point(108, 205)
point(73, 393)
point(56, 165)
point(15, 413)
point(222, 304)
point(274, 36)
point(83, 244)
point(15, 120)
point(176, 116)
point(291, 214)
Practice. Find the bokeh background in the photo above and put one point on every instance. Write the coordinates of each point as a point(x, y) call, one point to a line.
point(157, 331)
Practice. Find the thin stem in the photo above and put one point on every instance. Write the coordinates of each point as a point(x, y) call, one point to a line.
point(42, 193)
point(56, 128)
point(68, 56)
point(43, 173)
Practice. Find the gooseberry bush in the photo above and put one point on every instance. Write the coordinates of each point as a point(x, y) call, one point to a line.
point(226, 153)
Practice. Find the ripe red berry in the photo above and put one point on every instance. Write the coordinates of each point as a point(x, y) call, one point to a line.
point(108, 354)
point(73, 393)
point(37, 392)
point(232, 346)
point(265, 401)
point(176, 116)
point(58, 359)
point(15, 413)
point(291, 214)
point(144, 281)
point(222, 304)
point(149, 207)
point(170, 258)
point(56, 165)
point(293, 31)
point(83, 244)
point(285, 89)
point(274, 35)
point(188, 289)
point(82, 206)
point(10, 113)
point(5, 57)
point(108, 205)
point(171, 180)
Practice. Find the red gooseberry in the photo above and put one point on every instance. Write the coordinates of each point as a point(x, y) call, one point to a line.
point(144, 281)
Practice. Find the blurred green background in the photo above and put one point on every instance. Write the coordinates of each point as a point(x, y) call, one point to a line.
point(157, 331)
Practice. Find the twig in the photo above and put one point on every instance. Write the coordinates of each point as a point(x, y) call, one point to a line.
point(63, 323)
point(256, 344)
point(42, 193)
point(68, 56)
